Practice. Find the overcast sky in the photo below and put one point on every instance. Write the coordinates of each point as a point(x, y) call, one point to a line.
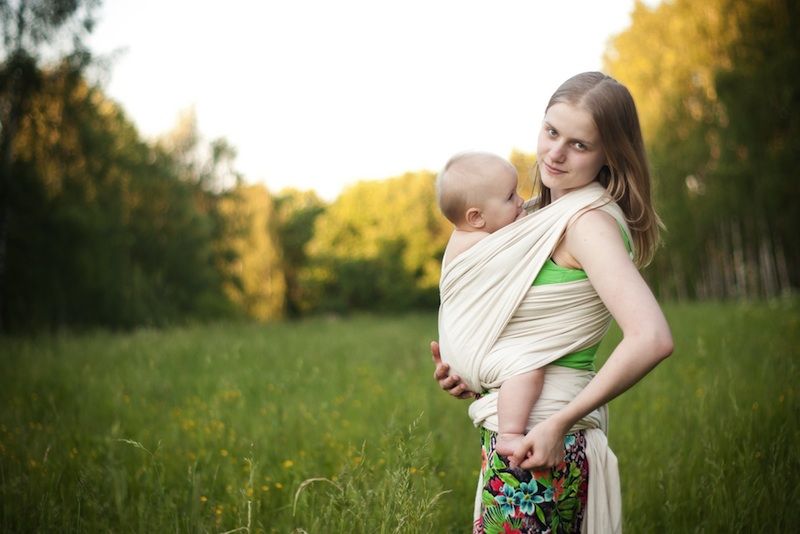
point(319, 94)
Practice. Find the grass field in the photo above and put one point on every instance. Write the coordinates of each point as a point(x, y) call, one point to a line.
point(214, 428)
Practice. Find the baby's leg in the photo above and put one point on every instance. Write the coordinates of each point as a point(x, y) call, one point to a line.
point(515, 400)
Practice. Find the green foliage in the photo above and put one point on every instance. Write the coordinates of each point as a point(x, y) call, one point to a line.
point(103, 231)
point(714, 86)
point(99, 227)
point(296, 213)
point(27, 29)
point(256, 283)
point(26, 26)
point(379, 246)
point(216, 427)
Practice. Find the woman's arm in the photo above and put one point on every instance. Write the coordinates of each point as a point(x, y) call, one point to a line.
point(594, 241)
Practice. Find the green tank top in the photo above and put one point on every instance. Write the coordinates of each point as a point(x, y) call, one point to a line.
point(552, 273)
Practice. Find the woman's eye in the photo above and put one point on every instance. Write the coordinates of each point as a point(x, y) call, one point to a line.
point(551, 132)
point(580, 146)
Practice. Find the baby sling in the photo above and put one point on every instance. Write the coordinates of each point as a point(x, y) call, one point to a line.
point(494, 324)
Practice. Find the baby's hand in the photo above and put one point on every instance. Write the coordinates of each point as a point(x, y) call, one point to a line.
point(507, 443)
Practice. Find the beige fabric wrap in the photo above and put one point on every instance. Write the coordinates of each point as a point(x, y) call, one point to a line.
point(494, 324)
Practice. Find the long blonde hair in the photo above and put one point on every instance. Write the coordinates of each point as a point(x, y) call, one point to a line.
point(626, 175)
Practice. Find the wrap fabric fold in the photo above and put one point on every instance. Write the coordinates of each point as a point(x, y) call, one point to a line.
point(494, 324)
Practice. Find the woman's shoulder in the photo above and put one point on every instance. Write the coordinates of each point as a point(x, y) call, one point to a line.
point(592, 221)
point(595, 229)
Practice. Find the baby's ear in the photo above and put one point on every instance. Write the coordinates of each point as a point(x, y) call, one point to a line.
point(475, 218)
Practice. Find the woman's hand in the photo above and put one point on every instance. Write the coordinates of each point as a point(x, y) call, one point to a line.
point(450, 383)
point(542, 447)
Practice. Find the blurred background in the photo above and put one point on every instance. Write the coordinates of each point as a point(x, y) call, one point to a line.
point(220, 252)
point(172, 162)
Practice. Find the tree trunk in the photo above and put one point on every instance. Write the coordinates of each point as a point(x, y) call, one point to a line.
point(783, 269)
point(6, 163)
point(740, 269)
point(767, 261)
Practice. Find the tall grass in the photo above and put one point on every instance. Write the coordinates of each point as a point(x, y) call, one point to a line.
point(709, 441)
point(330, 425)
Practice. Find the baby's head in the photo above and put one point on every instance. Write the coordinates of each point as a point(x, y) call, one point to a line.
point(477, 191)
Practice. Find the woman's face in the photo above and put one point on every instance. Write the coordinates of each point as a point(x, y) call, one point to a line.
point(569, 152)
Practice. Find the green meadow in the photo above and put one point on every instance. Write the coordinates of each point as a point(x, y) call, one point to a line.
point(335, 425)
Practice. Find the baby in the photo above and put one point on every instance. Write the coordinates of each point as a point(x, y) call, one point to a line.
point(477, 192)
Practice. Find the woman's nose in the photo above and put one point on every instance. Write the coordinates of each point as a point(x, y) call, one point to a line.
point(557, 152)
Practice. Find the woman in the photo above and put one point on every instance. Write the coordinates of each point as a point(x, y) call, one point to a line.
point(590, 135)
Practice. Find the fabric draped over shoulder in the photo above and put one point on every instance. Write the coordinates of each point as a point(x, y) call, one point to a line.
point(494, 324)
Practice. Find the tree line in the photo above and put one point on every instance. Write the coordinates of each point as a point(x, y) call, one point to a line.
point(716, 86)
point(99, 226)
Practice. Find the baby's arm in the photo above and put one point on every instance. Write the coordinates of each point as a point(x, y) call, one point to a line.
point(515, 400)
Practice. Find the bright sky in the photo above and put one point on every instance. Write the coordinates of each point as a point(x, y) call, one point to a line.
point(319, 94)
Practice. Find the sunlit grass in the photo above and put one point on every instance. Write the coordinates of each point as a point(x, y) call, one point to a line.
point(215, 428)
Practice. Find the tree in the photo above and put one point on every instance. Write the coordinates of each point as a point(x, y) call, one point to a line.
point(106, 232)
point(714, 84)
point(209, 164)
point(760, 148)
point(28, 26)
point(255, 282)
point(296, 213)
point(378, 246)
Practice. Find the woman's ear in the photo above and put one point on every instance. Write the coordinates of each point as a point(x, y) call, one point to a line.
point(475, 218)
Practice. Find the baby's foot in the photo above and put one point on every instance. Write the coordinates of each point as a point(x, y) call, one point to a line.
point(507, 443)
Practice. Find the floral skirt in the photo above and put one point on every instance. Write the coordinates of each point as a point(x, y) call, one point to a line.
point(525, 502)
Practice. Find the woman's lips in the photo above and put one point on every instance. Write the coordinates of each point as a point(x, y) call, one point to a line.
point(552, 170)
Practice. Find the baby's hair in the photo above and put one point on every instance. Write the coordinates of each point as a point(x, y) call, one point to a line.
point(457, 184)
